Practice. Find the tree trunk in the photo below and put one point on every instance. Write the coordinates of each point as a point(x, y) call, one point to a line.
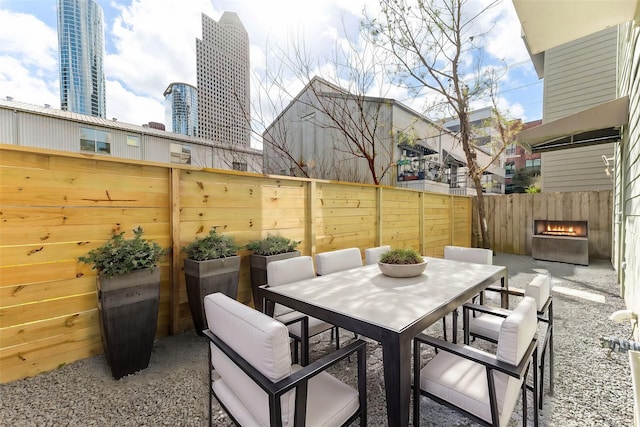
point(482, 218)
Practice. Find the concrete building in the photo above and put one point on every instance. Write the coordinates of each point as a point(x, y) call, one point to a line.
point(42, 127)
point(81, 52)
point(223, 75)
point(181, 109)
point(484, 138)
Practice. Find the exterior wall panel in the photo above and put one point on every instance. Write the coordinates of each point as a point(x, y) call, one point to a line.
point(577, 169)
point(580, 74)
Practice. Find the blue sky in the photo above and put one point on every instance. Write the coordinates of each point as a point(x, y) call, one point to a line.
point(151, 43)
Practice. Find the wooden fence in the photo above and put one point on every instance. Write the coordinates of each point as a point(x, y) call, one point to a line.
point(56, 206)
point(510, 219)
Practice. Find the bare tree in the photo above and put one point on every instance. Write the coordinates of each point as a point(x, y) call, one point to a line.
point(435, 48)
point(333, 91)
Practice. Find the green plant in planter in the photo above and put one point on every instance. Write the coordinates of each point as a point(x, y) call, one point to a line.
point(121, 256)
point(212, 265)
point(128, 290)
point(401, 256)
point(272, 245)
point(213, 246)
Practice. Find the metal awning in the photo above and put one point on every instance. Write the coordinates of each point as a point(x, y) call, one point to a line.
point(596, 125)
point(550, 23)
point(420, 148)
point(450, 158)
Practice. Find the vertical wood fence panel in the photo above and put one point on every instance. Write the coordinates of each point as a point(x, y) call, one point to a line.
point(57, 206)
point(510, 218)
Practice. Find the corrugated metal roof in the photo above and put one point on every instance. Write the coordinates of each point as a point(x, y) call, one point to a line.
point(114, 124)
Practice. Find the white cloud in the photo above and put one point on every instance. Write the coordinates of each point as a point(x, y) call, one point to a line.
point(131, 108)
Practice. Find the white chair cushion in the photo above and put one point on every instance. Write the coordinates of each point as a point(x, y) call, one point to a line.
point(339, 260)
point(290, 270)
point(517, 331)
point(539, 289)
point(463, 383)
point(331, 402)
point(486, 325)
point(473, 255)
point(372, 255)
point(260, 340)
point(316, 326)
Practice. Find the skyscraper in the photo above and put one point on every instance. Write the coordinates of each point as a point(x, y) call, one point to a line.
point(181, 109)
point(223, 80)
point(81, 50)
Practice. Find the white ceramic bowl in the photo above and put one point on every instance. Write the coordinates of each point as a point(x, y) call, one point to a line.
point(402, 270)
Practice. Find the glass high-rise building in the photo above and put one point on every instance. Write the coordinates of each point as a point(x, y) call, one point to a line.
point(81, 50)
point(181, 109)
point(222, 65)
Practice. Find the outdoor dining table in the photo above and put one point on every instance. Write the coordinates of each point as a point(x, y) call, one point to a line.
point(389, 310)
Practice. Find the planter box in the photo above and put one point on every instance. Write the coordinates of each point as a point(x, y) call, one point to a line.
point(207, 277)
point(258, 264)
point(128, 309)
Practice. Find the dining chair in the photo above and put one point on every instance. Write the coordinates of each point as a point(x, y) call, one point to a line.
point(481, 385)
point(292, 270)
point(472, 255)
point(372, 255)
point(486, 324)
point(338, 260)
point(255, 382)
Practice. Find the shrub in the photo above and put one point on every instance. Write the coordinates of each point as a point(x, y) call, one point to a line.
point(213, 246)
point(272, 245)
point(401, 256)
point(120, 256)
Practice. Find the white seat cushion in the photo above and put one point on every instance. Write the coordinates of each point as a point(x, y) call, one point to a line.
point(331, 402)
point(461, 382)
point(339, 260)
point(316, 326)
point(486, 325)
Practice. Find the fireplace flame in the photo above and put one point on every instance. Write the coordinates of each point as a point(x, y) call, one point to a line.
point(560, 230)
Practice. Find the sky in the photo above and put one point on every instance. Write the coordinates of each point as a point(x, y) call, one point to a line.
point(151, 43)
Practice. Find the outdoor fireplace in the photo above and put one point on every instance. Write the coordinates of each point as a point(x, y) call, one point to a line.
point(562, 241)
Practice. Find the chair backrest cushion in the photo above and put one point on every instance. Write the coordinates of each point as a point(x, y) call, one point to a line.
point(473, 255)
point(290, 270)
point(257, 338)
point(517, 331)
point(539, 289)
point(339, 260)
point(371, 255)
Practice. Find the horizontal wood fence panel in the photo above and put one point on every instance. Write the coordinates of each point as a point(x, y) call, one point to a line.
point(510, 219)
point(57, 206)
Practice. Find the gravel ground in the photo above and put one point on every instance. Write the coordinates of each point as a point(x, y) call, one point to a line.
point(592, 387)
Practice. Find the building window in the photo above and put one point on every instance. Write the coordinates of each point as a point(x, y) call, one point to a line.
point(181, 153)
point(95, 141)
point(133, 140)
point(532, 164)
point(239, 166)
point(510, 168)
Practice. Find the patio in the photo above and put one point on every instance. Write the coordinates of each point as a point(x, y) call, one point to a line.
point(590, 387)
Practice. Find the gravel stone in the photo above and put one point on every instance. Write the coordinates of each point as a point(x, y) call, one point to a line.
point(592, 386)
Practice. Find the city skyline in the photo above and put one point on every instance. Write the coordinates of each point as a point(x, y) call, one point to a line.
point(150, 44)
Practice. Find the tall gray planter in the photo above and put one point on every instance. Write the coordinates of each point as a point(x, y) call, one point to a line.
point(128, 311)
point(258, 269)
point(207, 277)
